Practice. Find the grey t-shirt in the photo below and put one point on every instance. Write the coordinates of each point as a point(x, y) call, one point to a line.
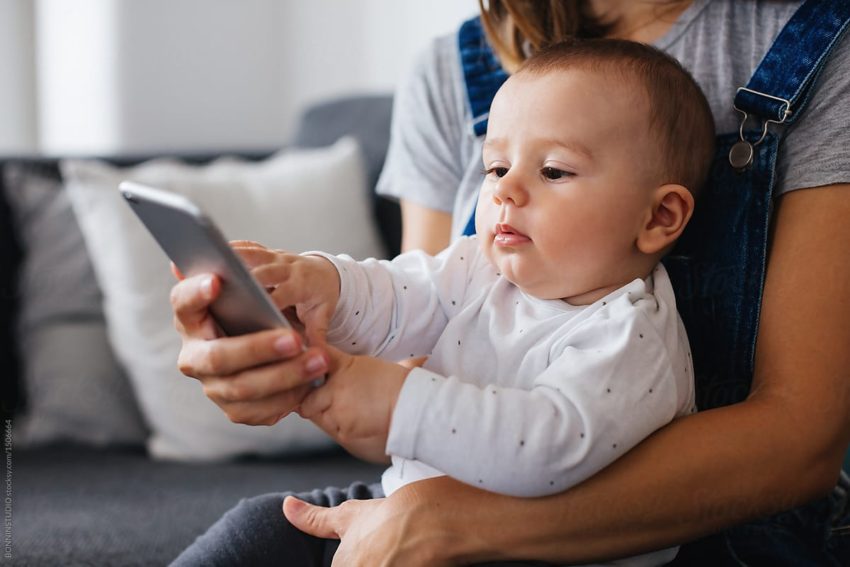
point(434, 157)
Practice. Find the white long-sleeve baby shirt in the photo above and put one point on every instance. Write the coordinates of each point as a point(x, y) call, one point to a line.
point(519, 395)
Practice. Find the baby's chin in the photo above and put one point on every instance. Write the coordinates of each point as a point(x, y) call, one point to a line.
point(532, 281)
point(523, 273)
point(525, 281)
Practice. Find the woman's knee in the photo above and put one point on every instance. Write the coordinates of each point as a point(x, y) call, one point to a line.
point(253, 532)
point(257, 510)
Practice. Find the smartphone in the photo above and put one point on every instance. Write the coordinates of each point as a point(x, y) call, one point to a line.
point(196, 246)
point(193, 242)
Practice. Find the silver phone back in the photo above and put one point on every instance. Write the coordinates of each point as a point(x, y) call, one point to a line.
point(192, 241)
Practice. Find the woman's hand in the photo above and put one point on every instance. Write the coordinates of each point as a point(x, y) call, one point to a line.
point(403, 530)
point(256, 379)
point(356, 403)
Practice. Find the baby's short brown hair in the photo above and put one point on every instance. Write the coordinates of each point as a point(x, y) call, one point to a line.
point(679, 113)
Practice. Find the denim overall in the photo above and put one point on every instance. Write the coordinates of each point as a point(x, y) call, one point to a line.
point(718, 265)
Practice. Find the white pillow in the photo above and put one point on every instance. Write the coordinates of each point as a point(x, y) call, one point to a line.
point(296, 200)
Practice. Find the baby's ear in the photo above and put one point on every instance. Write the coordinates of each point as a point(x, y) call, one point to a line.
point(671, 209)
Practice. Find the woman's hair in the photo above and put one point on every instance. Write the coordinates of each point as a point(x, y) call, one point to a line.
point(511, 24)
point(517, 28)
point(679, 115)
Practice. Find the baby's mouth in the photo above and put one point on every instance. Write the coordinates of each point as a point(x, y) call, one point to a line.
point(506, 235)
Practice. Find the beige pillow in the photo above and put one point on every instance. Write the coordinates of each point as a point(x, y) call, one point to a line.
point(298, 200)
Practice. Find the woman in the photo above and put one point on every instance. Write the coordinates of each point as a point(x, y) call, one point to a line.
point(752, 452)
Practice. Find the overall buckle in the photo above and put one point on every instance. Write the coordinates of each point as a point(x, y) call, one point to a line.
point(741, 154)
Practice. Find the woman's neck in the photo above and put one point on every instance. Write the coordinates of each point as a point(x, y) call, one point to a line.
point(640, 20)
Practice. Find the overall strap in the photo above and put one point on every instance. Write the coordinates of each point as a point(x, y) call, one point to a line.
point(482, 76)
point(482, 72)
point(779, 89)
point(718, 265)
point(783, 80)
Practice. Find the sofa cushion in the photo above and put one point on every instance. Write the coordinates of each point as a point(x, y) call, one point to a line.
point(75, 388)
point(296, 200)
point(366, 118)
point(79, 506)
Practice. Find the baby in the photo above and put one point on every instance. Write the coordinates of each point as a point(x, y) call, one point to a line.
point(552, 337)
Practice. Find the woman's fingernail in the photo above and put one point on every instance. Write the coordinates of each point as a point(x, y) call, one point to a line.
point(295, 505)
point(206, 287)
point(285, 344)
point(316, 364)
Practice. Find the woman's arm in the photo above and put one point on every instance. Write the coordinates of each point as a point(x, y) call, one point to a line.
point(424, 228)
point(781, 447)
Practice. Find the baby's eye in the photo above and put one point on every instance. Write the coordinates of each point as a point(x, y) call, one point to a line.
point(497, 171)
point(554, 173)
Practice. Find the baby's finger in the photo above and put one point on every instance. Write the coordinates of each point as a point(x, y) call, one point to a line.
point(272, 274)
point(191, 298)
point(326, 421)
point(316, 323)
point(318, 401)
point(338, 360)
point(253, 257)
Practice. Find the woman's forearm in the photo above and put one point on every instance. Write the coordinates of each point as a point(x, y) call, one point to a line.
point(664, 492)
point(424, 228)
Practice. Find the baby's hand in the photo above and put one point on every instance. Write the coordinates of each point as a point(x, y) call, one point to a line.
point(309, 284)
point(356, 403)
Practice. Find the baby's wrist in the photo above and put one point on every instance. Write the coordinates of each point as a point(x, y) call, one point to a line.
point(337, 273)
point(326, 277)
point(329, 278)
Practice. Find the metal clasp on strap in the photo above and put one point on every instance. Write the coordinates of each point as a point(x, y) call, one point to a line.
point(741, 154)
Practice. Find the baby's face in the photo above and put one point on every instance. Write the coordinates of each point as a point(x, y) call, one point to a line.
point(568, 182)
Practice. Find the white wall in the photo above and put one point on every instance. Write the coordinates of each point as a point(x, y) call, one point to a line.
point(17, 78)
point(334, 46)
point(131, 75)
point(77, 76)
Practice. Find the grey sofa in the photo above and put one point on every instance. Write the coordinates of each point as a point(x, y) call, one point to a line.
point(79, 505)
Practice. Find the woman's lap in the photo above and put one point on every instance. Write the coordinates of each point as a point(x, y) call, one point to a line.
point(255, 532)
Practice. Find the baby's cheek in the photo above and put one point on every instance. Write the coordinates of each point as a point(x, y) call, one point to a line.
point(483, 212)
point(485, 243)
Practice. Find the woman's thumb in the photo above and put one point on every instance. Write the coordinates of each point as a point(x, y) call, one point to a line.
point(314, 520)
